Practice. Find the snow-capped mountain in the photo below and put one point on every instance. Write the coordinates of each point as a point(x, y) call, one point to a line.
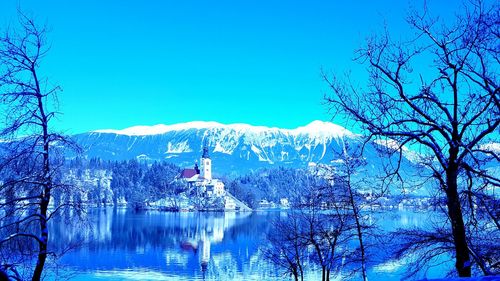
point(234, 148)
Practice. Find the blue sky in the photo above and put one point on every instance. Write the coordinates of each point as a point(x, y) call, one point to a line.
point(123, 63)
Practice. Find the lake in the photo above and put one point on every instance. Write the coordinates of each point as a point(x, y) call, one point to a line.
point(121, 244)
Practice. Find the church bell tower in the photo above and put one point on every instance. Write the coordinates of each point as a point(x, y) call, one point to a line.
point(206, 163)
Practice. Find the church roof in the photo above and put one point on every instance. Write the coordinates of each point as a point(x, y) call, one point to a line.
point(188, 173)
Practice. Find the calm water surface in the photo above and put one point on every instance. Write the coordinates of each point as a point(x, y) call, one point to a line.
point(120, 244)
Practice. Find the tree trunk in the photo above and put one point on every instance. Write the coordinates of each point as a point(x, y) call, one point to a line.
point(42, 248)
point(301, 271)
point(462, 264)
point(46, 188)
point(358, 228)
point(295, 274)
point(299, 264)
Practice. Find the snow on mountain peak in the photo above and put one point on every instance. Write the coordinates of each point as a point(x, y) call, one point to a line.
point(493, 147)
point(315, 128)
point(324, 129)
point(160, 128)
point(395, 145)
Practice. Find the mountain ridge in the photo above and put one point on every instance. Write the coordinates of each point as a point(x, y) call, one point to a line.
point(235, 148)
point(140, 130)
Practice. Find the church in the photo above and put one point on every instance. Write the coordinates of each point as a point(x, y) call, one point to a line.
point(201, 180)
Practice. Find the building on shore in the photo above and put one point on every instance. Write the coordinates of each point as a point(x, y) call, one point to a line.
point(203, 186)
point(201, 180)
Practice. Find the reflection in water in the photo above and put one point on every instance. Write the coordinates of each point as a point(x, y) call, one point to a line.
point(194, 245)
point(120, 244)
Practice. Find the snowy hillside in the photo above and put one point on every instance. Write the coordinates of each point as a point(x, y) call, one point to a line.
point(234, 148)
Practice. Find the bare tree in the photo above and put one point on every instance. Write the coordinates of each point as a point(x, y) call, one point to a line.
point(450, 112)
point(315, 233)
point(327, 234)
point(29, 157)
point(288, 248)
point(345, 177)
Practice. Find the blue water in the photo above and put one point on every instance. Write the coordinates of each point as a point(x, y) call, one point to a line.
point(120, 244)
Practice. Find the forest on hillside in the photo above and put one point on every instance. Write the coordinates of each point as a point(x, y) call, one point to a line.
point(137, 183)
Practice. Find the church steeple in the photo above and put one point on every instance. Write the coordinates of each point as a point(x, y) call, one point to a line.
point(205, 151)
point(206, 167)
